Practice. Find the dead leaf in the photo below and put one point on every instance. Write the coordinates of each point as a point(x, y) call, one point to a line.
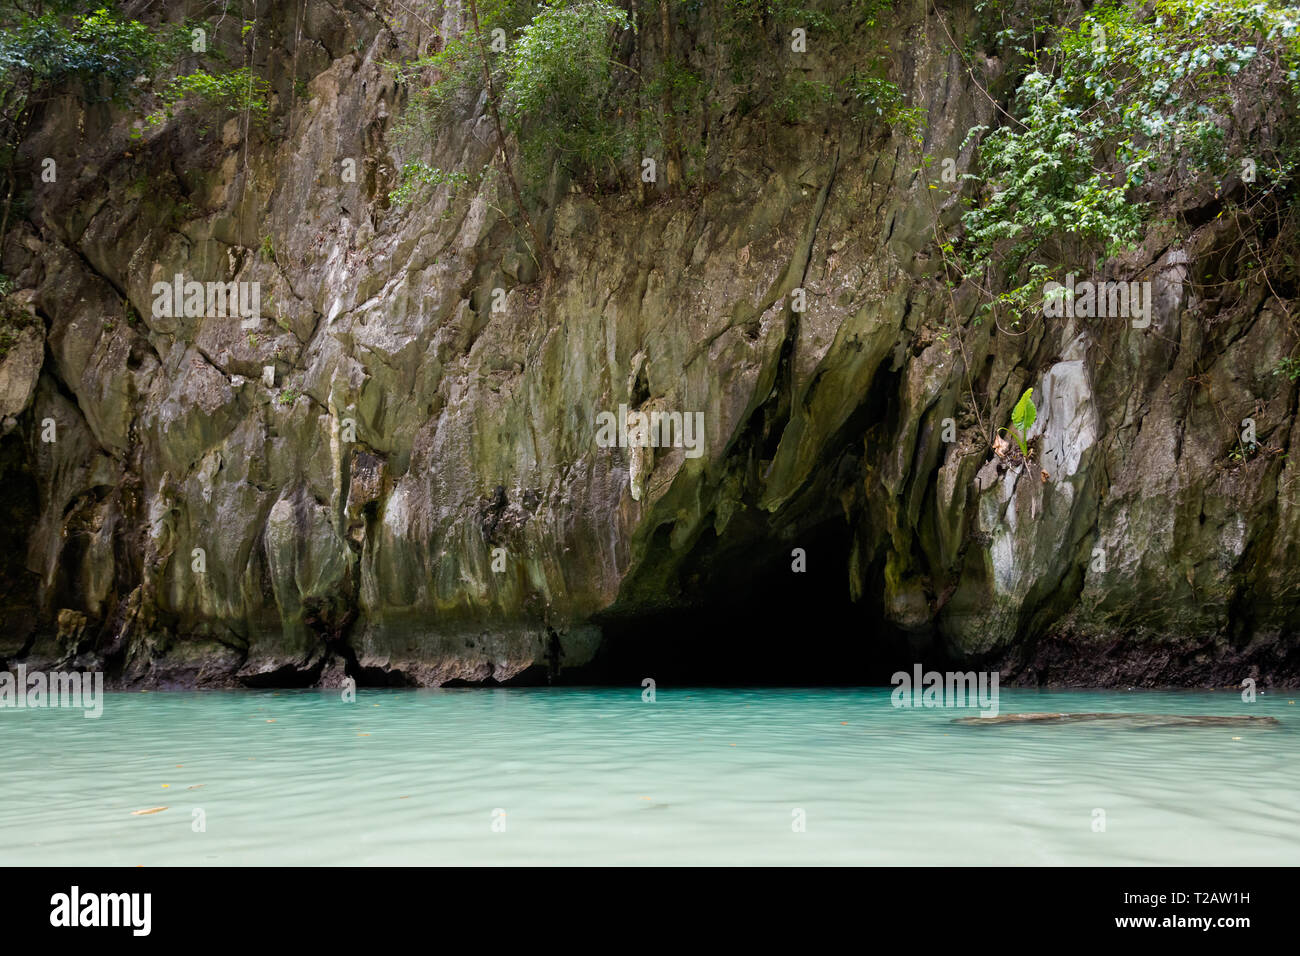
point(141, 813)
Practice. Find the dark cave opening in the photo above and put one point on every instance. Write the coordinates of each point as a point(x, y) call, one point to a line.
point(747, 618)
point(736, 612)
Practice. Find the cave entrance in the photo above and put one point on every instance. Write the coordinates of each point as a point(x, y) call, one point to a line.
point(744, 617)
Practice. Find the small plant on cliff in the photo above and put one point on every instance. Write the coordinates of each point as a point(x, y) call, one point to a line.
point(877, 98)
point(13, 320)
point(1023, 417)
point(1290, 367)
point(416, 175)
point(797, 99)
point(237, 91)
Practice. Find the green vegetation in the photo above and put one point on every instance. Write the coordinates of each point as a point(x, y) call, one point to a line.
point(435, 80)
point(877, 98)
point(100, 50)
point(416, 175)
point(1023, 417)
point(558, 91)
point(103, 56)
point(589, 89)
point(1122, 98)
point(1290, 367)
point(237, 91)
point(13, 318)
point(551, 67)
point(96, 52)
point(799, 98)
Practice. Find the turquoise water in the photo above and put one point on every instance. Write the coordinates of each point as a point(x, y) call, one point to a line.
point(593, 776)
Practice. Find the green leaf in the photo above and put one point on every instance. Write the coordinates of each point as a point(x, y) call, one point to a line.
point(1023, 417)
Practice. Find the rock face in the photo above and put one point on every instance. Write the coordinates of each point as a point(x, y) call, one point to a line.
point(396, 475)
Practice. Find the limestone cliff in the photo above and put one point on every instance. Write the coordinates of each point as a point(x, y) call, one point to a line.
point(415, 493)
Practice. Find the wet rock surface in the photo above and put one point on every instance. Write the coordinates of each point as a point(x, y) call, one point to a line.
point(392, 479)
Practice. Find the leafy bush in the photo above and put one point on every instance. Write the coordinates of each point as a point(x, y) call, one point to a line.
point(237, 91)
point(1290, 367)
point(100, 52)
point(1120, 98)
point(557, 95)
point(878, 98)
point(100, 49)
point(434, 80)
point(416, 175)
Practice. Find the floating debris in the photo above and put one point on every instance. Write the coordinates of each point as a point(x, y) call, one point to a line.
point(1128, 720)
point(141, 813)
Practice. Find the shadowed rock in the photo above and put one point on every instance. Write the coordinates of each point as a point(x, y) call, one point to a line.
point(1123, 720)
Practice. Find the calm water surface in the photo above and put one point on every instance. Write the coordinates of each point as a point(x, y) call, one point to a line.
point(588, 776)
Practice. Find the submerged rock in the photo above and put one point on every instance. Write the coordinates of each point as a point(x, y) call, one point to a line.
point(1124, 720)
